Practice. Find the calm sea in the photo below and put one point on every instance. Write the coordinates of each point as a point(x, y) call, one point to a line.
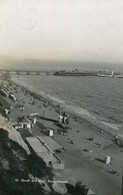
point(94, 98)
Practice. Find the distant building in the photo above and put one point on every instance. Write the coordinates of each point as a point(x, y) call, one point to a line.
point(24, 123)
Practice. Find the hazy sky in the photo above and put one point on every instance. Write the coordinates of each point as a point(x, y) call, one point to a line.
point(89, 30)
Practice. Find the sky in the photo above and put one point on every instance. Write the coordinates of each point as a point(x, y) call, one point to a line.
point(84, 30)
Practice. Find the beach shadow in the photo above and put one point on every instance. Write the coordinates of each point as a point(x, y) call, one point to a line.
point(113, 172)
point(100, 160)
point(24, 133)
point(71, 189)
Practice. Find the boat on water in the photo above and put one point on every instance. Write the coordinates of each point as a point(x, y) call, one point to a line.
point(110, 75)
point(119, 76)
point(106, 74)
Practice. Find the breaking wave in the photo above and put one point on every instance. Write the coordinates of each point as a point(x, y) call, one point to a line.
point(81, 111)
point(111, 125)
point(55, 99)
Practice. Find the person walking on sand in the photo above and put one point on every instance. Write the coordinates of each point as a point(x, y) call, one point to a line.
point(116, 138)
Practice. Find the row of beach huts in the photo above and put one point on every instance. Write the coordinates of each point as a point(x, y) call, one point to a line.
point(7, 94)
point(44, 146)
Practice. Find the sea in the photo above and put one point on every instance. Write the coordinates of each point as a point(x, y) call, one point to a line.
point(97, 99)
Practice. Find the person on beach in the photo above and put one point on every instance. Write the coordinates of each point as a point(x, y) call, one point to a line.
point(116, 138)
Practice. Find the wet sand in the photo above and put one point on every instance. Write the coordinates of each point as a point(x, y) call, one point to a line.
point(80, 165)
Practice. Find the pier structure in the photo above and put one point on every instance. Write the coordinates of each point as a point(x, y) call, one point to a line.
point(26, 72)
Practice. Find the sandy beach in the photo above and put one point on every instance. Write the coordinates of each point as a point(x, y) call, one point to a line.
point(84, 160)
point(61, 97)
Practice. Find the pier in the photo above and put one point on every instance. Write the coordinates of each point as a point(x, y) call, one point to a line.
point(27, 72)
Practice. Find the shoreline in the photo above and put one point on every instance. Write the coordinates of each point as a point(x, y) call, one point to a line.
point(47, 99)
point(80, 164)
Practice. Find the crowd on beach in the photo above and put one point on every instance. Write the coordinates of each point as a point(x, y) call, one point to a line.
point(93, 143)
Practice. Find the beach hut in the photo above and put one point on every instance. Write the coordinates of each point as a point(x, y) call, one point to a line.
point(50, 132)
point(7, 111)
point(66, 120)
point(61, 118)
point(12, 97)
point(34, 120)
point(3, 93)
point(107, 160)
point(24, 122)
point(17, 126)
